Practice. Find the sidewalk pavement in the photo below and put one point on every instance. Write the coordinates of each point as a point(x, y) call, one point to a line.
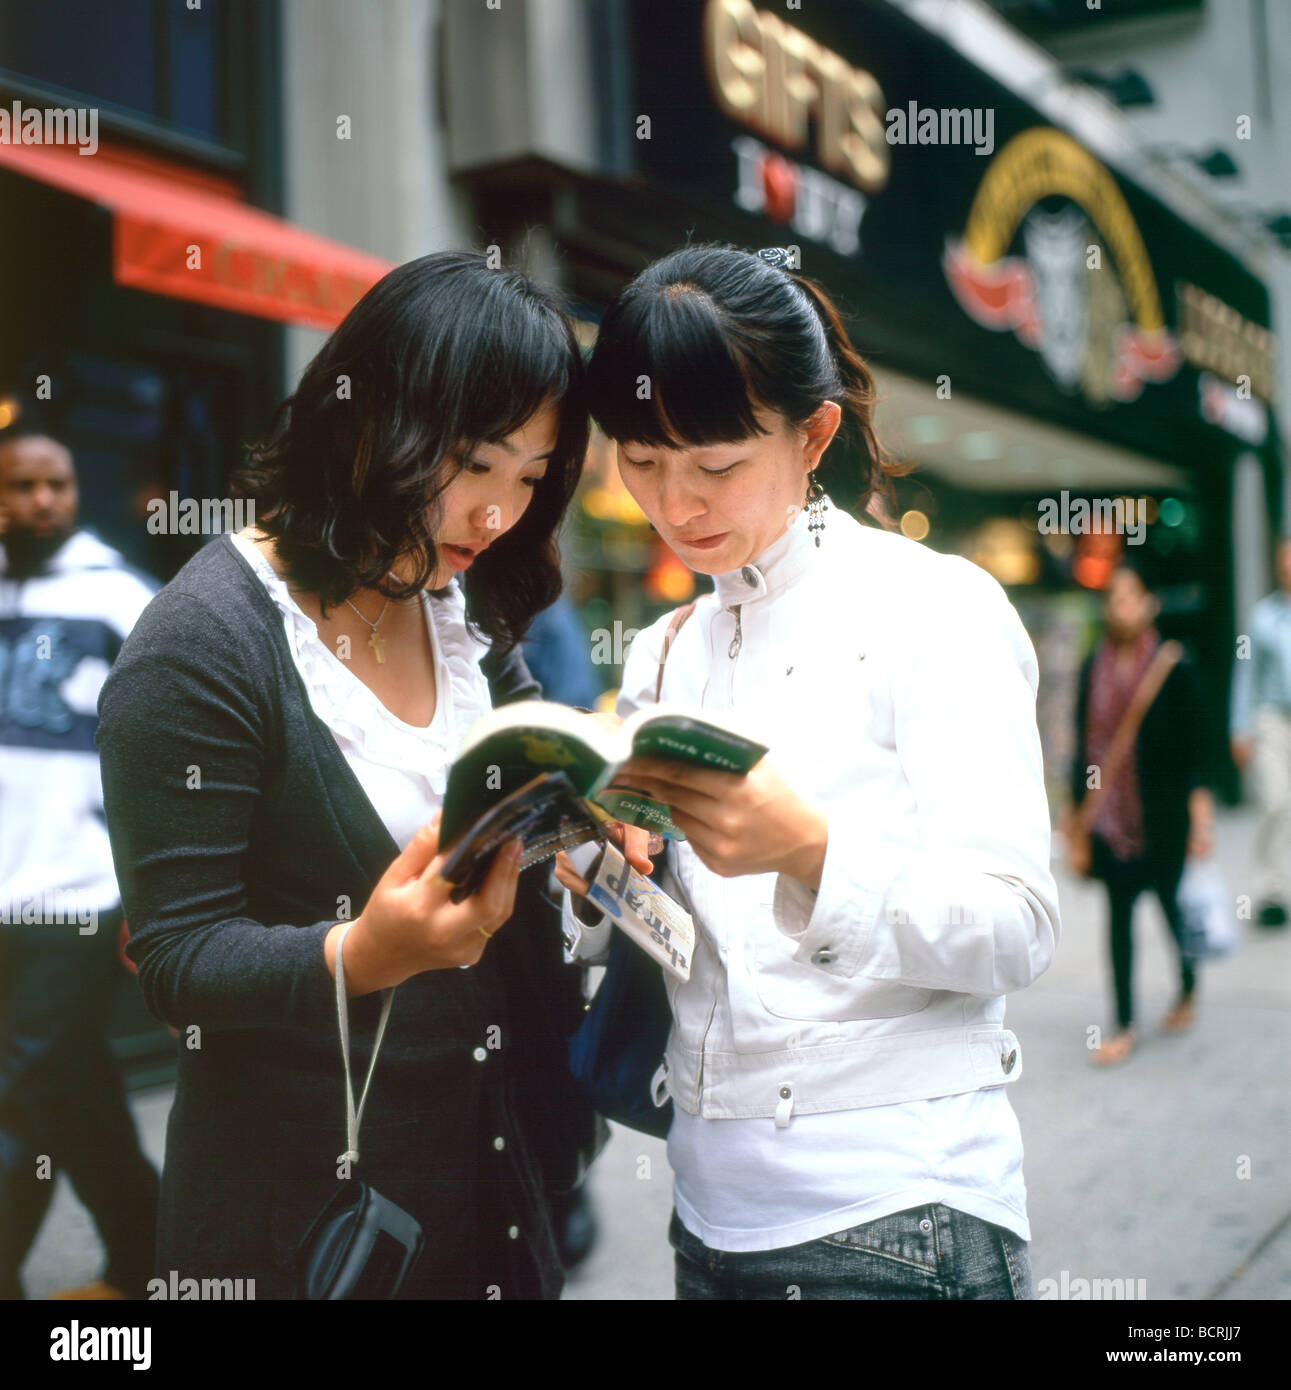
point(1172, 1169)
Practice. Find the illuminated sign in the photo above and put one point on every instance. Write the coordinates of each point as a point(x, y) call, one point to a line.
point(1082, 293)
point(810, 202)
point(773, 78)
point(1215, 336)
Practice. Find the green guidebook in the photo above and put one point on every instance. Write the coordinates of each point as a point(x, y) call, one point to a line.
point(505, 751)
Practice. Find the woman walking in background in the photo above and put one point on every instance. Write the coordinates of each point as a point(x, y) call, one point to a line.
point(1137, 780)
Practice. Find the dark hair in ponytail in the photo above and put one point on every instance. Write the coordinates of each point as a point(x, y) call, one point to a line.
point(709, 333)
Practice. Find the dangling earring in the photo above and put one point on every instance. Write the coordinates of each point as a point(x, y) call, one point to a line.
point(815, 507)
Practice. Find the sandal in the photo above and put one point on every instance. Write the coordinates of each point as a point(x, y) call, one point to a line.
point(1113, 1053)
point(1181, 1018)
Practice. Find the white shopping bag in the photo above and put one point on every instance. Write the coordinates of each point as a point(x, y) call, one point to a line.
point(1209, 913)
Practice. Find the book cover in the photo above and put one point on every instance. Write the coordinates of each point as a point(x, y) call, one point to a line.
point(546, 815)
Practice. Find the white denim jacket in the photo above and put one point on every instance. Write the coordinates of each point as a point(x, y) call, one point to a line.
point(895, 688)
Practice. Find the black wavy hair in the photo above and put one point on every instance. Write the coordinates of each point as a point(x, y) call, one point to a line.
point(441, 355)
point(719, 332)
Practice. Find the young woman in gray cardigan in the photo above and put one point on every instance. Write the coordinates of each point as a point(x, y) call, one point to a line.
point(274, 740)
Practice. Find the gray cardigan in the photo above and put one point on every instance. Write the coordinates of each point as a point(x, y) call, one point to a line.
point(240, 835)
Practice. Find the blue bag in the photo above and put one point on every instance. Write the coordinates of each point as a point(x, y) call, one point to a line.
point(620, 1042)
point(618, 1047)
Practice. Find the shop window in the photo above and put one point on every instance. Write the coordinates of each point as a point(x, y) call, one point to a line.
point(153, 58)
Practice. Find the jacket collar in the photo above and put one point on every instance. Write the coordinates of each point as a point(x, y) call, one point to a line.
point(781, 564)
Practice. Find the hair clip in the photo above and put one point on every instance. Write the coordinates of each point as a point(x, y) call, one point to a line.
point(778, 256)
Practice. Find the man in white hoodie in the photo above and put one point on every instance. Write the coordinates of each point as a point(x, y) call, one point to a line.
point(67, 602)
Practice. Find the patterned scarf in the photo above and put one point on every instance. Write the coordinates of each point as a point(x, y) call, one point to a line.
point(1119, 819)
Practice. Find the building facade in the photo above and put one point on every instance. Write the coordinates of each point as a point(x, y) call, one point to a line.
point(146, 273)
point(1074, 338)
point(1076, 350)
point(1218, 124)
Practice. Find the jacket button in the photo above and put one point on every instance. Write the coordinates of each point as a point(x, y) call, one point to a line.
point(479, 1054)
point(786, 1092)
point(749, 575)
point(926, 1226)
point(1008, 1062)
point(513, 1232)
point(822, 957)
point(499, 1143)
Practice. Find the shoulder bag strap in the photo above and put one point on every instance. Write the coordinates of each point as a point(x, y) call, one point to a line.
point(1149, 687)
point(674, 627)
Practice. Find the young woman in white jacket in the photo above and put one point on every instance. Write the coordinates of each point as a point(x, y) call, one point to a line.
point(866, 897)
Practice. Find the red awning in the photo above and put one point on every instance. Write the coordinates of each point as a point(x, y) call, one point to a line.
point(180, 234)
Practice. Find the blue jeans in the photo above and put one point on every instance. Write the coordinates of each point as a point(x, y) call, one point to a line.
point(926, 1252)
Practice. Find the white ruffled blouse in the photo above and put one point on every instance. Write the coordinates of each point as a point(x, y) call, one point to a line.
point(402, 768)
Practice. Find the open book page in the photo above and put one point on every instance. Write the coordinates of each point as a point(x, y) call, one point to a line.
point(506, 749)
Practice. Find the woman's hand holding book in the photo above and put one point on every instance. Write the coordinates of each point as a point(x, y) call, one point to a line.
point(410, 923)
point(636, 844)
point(737, 823)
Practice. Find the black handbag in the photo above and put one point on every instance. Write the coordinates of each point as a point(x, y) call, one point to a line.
point(360, 1245)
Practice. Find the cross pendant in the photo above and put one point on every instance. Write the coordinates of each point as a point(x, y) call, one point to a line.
point(377, 643)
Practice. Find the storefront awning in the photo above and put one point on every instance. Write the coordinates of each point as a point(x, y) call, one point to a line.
point(193, 239)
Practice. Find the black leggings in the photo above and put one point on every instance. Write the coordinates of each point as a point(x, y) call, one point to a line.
point(1125, 880)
